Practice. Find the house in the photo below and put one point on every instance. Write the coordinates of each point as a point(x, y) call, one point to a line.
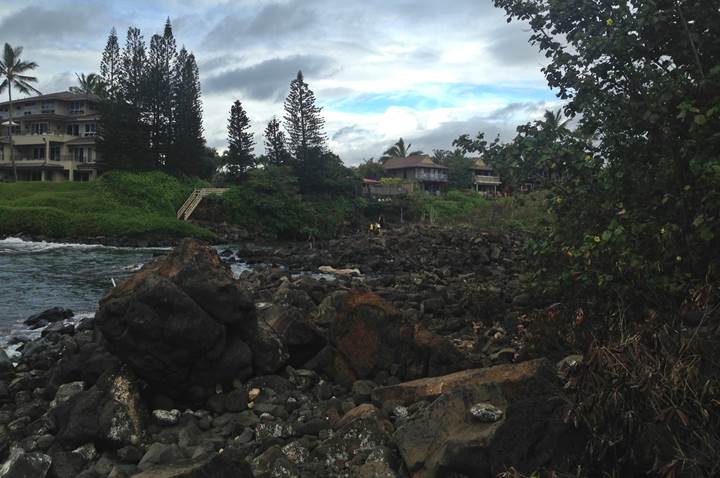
point(379, 189)
point(484, 178)
point(420, 171)
point(54, 137)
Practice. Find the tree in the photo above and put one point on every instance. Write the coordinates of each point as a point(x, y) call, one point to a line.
point(159, 93)
point(12, 70)
point(189, 146)
point(460, 175)
point(399, 150)
point(275, 144)
point(468, 145)
point(370, 169)
point(90, 84)
point(303, 121)
point(124, 141)
point(110, 64)
point(239, 157)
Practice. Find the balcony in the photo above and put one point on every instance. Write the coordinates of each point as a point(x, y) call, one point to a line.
point(487, 180)
point(438, 178)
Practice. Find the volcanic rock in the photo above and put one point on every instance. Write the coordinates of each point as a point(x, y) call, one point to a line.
point(182, 323)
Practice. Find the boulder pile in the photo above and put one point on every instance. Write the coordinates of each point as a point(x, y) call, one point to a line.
point(187, 371)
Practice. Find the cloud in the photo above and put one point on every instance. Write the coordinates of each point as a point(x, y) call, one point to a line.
point(269, 79)
point(40, 25)
point(272, 23)
point(510, 46)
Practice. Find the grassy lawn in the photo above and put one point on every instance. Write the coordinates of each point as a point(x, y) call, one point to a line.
point(117, 204)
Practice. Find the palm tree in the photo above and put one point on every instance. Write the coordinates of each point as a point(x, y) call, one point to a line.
point(11, 72)
point(90, 84)
point(399, 150)
point(553, 123)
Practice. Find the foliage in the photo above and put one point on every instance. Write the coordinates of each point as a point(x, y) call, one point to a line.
point(151, 118)
point(276, 152)
point(399, 150)
point(632, 248)
point(269, 200)
point(303, 122)
point(239, 157)
point(323, 172)
point(117, 204)
point(637, 215)
point(13, 73)
point(369, 169)
point(522, 212)
point(90, 84)
point(460, 176)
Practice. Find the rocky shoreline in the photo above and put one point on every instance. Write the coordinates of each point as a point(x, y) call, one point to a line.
point(404, 367)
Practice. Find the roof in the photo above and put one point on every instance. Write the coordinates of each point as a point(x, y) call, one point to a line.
point(479, 164)
point(417, 161)
point(370, 181)
point(60, 95)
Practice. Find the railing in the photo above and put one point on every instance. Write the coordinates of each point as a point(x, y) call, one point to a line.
point(431, 177)
point(195, 198)
point(62, 157)
point(489, 180)
point(386, 190)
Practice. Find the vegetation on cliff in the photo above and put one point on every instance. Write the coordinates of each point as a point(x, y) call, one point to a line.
point(118, 204)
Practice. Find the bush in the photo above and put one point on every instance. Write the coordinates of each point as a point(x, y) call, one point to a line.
point(117, 204)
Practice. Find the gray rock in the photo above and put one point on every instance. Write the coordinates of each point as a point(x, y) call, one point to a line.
point(66, 391)
point(6, 366)
point(161, 454)
point(166, 417)
point(486, 412)
point(25, 465)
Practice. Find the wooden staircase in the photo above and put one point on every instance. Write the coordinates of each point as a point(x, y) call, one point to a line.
point(195, 199)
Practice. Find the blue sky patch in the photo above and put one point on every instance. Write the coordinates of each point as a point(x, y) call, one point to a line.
point(436, 95)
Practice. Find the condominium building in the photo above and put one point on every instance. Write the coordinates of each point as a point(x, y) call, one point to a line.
point(54, 137)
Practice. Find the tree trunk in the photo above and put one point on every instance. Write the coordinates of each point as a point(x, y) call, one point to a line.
point(10, 133)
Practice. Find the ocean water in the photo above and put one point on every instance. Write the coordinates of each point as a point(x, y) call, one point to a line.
point(35, 276)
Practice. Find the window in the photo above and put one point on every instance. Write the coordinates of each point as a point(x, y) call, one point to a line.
point(90, 129)
point(38, 153)
point(55, 153)
point(73, 129)
point(79, 155)
point(27, 113)
point(76, 108)
point(39, 128)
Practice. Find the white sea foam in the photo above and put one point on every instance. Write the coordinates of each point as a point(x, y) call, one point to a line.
point(16, 245)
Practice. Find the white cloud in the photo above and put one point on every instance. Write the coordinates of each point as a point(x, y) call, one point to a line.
point(353, 53)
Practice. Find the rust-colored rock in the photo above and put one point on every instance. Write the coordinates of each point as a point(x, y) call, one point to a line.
point(515, 380)
point(369, 335)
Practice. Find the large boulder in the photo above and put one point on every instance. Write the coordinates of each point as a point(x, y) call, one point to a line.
point(110, 414)
point(482, 422)
point(182, 323)
point(369, 336)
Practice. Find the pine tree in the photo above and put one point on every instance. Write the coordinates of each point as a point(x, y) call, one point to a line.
point(124, 141)
point(275, 149)
point(158, 93)
point(239, 158)
point(303, 122)
point(110, 64)
point(188, 155)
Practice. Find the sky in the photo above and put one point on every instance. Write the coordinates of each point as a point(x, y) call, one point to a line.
point(427, 71)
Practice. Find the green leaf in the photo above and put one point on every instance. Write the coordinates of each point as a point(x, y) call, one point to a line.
point(606, 236)
point(700, 120)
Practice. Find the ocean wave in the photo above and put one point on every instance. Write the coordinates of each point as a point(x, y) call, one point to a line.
point(16, 245)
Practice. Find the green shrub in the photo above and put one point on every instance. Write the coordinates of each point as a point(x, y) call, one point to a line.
point(117, 204)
